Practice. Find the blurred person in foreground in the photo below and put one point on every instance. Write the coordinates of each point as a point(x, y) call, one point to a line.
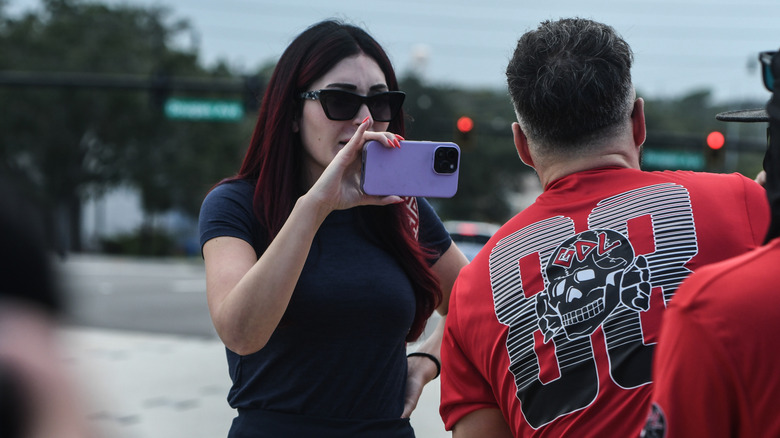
point(715, 368)
point(552, 327)
point(313, 286)
point(37, 396)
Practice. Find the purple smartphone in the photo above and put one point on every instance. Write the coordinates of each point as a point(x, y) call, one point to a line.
point(418, 168)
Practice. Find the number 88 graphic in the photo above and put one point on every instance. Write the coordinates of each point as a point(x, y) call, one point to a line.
point(601, 277)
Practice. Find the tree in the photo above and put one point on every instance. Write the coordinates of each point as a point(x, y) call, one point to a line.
point(490, 171)
point(683, 124)
point(68, 144)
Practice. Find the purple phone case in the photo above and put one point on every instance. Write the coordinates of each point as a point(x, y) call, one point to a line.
point(407, 171)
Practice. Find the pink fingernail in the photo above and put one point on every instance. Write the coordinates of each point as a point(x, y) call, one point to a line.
point(398, 136)
point(398, 143)
point(366, 119)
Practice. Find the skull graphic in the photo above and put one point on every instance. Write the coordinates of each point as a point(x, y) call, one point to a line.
point(586, 276)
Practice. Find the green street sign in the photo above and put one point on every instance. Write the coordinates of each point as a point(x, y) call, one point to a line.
point(202, 109)
point(672, 160)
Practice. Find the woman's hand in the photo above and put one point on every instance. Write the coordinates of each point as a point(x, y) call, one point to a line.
point(338, 187)
point(420, 371)
point(247, 297)
point(761, 178)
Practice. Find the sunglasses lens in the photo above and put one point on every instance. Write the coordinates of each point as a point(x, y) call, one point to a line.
point(769, 78)
point(340, 105)
point(379, 105)
point(343, 105)
point(766, 72)
point(385, 106)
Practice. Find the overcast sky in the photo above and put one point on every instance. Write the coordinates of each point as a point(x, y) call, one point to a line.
point(679, 45)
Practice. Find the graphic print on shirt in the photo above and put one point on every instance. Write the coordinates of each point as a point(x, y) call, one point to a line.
point(413, 213)
point(597, 282)
point(590, 274)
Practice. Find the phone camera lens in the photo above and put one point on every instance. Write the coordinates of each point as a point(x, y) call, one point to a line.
point(446, 160)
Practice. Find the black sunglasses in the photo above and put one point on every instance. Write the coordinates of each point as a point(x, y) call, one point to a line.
point(766, 69)
point(343, 105)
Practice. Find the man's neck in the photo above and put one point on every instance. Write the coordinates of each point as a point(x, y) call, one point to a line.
point(557, 169)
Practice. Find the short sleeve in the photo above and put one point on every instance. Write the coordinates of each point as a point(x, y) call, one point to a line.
point(757, 207)
point(433, 235)
point(463, 389)
point(227, 211)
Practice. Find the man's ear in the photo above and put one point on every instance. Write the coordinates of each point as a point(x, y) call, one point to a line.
point(521, 144)
point(638, 122)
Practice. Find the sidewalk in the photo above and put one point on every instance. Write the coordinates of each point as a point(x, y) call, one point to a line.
point(148, 386)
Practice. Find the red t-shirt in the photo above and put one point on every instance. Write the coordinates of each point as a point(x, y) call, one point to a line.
point(555, 321)
point(715, 369)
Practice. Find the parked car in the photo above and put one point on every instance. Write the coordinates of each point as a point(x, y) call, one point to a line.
point(470, 236)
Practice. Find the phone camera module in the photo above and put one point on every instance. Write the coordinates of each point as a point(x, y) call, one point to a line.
point(445, 159)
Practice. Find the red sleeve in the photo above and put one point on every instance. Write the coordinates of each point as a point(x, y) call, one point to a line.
point(757, 206)
point(691, 368)
point(463, 388)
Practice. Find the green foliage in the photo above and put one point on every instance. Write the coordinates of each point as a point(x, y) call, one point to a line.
point(68, 144)
point(684, 123)
point(490, 170)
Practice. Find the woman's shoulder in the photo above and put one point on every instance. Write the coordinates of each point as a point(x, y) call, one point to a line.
point(426, 211)
point(238, 191)
point(228, 210)
point(229, 195)
point(431, 229)
point(234, 187)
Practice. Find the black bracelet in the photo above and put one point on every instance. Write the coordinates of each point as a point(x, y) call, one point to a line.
point(431, 357)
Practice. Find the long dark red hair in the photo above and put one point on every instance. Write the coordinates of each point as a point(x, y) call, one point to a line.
point(275, 154)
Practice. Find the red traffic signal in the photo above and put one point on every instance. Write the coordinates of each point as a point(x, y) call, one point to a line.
point(465, 124)
point(715, 140)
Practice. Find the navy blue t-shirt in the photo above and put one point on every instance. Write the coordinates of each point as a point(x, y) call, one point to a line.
point(339, 351)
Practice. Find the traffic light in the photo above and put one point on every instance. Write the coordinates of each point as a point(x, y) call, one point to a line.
point(714, 151)
point(464, 135)
point(465, 124)
point(715, 140)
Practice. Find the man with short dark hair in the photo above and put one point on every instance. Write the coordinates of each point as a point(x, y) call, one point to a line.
point(552, 327)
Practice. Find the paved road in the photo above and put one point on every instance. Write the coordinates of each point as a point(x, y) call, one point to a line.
point(140, 344)
point(158, 296)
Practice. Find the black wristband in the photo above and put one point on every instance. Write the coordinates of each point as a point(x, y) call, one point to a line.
point(431, 357)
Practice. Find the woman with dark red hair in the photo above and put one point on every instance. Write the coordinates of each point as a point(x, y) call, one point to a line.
point(313, 286)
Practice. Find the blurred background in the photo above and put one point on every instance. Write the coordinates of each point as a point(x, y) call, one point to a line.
point(117, 117)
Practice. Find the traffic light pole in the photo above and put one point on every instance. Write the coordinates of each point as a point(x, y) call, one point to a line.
point(120, 81)
point(160, 86)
